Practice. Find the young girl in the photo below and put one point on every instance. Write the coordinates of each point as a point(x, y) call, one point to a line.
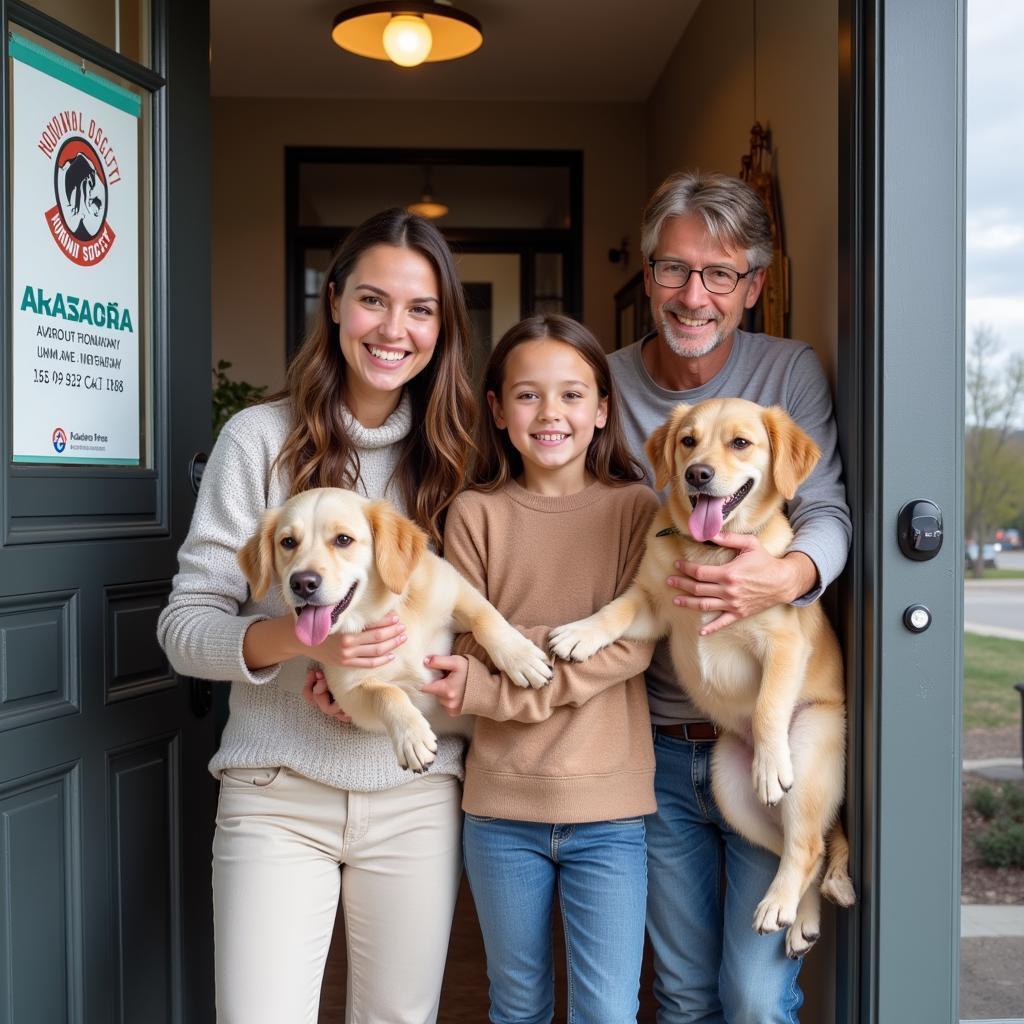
point(312, 808)
point(558, 779)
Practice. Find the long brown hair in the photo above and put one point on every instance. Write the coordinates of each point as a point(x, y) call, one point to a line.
point(432, 463)
point(608, 457)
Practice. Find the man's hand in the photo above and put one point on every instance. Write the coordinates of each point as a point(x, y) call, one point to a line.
point(450, 689)
point(753, 581)
point(315, 692)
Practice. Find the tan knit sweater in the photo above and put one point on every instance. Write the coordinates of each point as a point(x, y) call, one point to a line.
point(579, 749)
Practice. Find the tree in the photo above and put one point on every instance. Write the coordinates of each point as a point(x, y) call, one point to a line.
point(993, 464)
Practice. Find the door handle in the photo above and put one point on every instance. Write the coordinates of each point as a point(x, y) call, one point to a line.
point(196, 468)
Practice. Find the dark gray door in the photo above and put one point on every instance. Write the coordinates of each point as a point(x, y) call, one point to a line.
point(900, 398)
point(106, 809)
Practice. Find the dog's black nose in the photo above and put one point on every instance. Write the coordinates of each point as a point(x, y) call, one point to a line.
point(699, 474)
point(305, 584)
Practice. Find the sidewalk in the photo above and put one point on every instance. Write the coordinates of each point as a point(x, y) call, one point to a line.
point(982, 921)
point(1000, 631)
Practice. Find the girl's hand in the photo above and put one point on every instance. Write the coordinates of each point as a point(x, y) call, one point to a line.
point(450, 689)
point(372, 648)
point(315, 692)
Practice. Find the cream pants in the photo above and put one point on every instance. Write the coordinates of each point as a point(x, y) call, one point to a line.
point(280, 841)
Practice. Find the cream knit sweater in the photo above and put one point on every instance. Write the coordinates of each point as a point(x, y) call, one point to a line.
point(209, 610)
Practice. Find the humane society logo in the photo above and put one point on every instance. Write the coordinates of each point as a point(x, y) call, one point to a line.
point(84, 168)
point(95, 442)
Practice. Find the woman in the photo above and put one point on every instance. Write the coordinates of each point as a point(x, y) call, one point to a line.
point(376, 400)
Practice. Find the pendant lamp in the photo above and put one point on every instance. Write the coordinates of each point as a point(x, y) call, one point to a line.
point(407, 32)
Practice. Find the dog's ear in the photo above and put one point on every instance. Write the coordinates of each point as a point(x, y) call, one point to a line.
point(660, 447)
point(398, 544)
point(794, 454)
point(257, 557)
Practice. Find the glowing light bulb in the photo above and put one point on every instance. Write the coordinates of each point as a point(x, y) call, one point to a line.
point(407, 40)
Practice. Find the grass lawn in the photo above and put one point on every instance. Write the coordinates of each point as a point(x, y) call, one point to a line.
point(998, 574)
point(991, 667)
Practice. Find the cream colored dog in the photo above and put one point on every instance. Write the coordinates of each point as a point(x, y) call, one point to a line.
point(773, 682)
point(344, 562)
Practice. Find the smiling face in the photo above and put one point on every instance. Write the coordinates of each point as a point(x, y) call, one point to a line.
point(389, 319)
point(550, 405)
point(693, 322)
point(730, 464)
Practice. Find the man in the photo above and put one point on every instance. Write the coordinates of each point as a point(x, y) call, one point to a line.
point(706, 242)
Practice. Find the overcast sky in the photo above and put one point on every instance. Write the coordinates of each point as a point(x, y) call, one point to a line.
point(995, 186)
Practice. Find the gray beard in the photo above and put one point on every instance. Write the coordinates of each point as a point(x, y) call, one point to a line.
point(684, 352)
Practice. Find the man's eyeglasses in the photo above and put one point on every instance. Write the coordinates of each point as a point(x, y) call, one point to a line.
point(717, 280)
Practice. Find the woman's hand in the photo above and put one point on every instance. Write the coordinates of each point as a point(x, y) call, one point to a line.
point(315, 692)
point(450, 689)
point(373, 647)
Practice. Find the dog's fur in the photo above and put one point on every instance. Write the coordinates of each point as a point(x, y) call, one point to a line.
point(332, 549)
point(773, 682)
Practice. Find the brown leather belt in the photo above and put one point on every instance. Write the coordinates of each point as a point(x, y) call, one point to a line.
point(696, 732)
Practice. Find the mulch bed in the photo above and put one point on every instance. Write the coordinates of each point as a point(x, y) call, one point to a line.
point(980, 884)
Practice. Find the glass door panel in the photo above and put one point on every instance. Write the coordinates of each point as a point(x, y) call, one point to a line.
point(992, 784)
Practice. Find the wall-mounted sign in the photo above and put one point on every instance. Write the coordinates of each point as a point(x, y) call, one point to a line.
point(74, 262)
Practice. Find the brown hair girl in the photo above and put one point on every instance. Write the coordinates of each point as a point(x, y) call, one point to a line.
point(608, 459)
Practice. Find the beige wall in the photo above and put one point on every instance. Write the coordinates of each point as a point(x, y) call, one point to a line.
point(702, 108)
point(248, 140)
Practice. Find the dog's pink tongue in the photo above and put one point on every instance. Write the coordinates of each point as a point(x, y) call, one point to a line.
point(313, 624)
point(706, 517)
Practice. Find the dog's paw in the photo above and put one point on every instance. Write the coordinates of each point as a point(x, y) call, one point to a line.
point(774, 913)
point(415, 746)
point(806, 929)
point(800, 936)
point(524, 662)
point(772, 774)
point(838, 888)
point(576, 641)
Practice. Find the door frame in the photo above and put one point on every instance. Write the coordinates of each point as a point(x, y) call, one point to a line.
point(900, 412)
point(527, 242)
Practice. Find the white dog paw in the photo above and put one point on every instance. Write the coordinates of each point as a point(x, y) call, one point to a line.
point(415, 746)
point(524, 663)
point(774, 913)
point(575, 641)
point(772, 774)
point(800, 936)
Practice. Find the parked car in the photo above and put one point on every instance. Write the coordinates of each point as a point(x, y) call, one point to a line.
point(1010, 539)
point(988, 551)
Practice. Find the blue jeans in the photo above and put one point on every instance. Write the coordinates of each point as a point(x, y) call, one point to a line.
point(710, 965)
point(599, 872)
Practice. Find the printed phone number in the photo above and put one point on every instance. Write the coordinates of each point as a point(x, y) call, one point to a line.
point(88, 381)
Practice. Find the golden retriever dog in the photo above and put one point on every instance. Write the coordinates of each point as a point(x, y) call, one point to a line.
point(773, 682)
point(344, 562)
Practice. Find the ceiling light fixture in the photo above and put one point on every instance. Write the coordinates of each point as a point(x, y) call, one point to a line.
point(428, 206)
point(407, 32)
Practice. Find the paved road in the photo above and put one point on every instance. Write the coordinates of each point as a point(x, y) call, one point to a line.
point(996, 606)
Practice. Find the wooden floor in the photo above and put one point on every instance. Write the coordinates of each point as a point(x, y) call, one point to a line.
point(464, 995)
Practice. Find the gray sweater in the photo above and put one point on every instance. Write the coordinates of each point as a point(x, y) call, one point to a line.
point(769, 371)
point(209, 610)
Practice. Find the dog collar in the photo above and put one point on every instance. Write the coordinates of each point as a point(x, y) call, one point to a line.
point(673, 531)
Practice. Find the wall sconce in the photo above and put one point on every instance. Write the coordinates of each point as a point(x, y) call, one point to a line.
point(407, 32)
point(621, 254)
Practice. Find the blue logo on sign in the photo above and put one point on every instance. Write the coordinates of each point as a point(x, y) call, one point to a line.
point(60, 440)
